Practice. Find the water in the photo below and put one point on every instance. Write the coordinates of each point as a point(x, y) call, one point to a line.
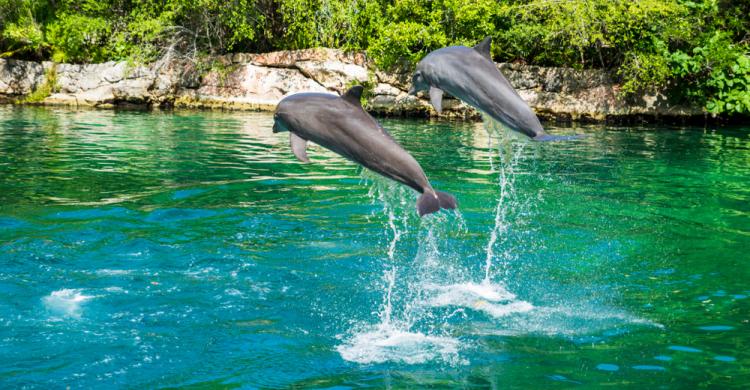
point(191, 249)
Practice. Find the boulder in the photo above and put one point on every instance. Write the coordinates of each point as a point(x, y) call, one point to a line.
point(260, 81)
point(19, 78)
point(333, 75)
point(288, 58)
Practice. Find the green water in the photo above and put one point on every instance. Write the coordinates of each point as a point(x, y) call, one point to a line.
point(166, 249)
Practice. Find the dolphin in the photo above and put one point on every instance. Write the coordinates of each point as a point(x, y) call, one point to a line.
point(339, 123)
point(470, 75)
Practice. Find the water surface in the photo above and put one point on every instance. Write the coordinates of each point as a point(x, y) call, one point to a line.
point(191, 249)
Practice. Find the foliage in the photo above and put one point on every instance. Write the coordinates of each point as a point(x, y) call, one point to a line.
point(44, 90)
point(79, 38)
point(694, 50)
point(348, 24)
point(717, 73)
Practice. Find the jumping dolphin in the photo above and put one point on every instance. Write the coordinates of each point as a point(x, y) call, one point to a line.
point(470, 75)
point(343, 126)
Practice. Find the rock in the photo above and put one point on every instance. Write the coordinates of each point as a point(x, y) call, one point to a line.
point(385, 89)
point(333, 75)
point(400, 79)
point(288, 58)
point(135, 90)
point(20, 77)
point(260, 81)
point(250, 85)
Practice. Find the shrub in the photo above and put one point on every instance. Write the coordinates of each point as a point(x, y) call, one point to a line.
point(79, 38)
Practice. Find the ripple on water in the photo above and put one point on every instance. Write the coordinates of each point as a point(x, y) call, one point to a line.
point(182, 194)
point(716, 328)
point(607, 367)
point(175, 215)
point(647, 367)
point(727, 359)
point(681, 348)
point(11, 223)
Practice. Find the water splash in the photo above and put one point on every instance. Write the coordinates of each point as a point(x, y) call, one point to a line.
point(398, 336)
point(66, 302)
point(509, 153)
point(435, 303)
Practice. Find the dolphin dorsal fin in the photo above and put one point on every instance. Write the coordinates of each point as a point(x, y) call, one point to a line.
point(353, 95)
point(484, 47)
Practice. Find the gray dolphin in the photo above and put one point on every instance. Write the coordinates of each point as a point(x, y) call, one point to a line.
point(470, 75)
point(339, 123)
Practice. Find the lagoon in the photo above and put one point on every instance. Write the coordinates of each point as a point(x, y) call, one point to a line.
point(182, 248)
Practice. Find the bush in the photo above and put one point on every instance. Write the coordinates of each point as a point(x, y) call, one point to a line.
point(78, 38)
point(695, 50)
point(405, 41)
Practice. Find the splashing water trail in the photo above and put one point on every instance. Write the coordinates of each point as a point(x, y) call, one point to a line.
point(394, 338)
point(509, 154)
point(433, 295)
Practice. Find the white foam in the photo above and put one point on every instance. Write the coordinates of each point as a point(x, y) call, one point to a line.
point(490, 298)
point(389, 344)
point(66, 302)
point(573, 321)
point(113, 272)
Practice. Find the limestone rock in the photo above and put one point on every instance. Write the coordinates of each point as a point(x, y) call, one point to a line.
point(333, 75)
point(20, 77)
point(253, 85)
point(260, 81)
point(288, 58)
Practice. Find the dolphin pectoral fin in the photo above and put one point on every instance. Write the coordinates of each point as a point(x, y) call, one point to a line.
point(484, 47)
point(436, 98)
point(299, 146)
point(354, 95)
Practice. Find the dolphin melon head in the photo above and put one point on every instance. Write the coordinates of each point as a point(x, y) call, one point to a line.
point(418, 82)
point(279, 125)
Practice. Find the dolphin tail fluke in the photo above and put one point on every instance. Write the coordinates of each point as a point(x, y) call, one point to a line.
point(555, 138)
point(430, 202)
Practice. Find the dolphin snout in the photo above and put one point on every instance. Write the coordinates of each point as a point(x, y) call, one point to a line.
point(278, 124)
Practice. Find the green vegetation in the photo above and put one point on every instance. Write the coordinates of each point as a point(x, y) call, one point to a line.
point(697, 51)
point(44, 90)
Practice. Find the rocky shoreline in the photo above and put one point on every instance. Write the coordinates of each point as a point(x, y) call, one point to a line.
point(258, 82)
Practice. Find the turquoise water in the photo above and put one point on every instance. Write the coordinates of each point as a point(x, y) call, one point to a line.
point(192, 249)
